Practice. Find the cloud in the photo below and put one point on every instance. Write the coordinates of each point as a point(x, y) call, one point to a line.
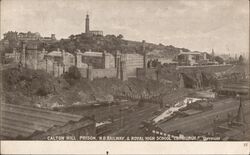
point(197, 25)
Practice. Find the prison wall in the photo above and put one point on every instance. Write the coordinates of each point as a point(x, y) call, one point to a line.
point(133, 61)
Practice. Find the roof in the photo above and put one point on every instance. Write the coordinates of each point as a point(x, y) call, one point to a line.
point(23, 121)
point(58, 54)
point(55, 53)
point(92, 54)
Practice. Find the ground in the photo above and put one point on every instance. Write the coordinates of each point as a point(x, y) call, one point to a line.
point(128, 121)
point(126, 103)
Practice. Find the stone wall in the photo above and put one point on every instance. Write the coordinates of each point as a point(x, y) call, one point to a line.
point(83, 72)
point(207, 68)
point(100, 73)
point(150, 73)
point(133, 61)
point(58, 69)
point(58, 62)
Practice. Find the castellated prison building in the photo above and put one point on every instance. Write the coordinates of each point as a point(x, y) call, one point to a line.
point(91, 64)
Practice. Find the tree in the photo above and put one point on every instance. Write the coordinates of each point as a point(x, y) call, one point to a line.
point(11, 37)
point(71, 37)
point(241, 60)
point(74, 73)
point(120, 36)
point(219, 60)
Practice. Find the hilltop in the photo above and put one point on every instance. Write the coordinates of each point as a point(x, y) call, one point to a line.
point(112, 43)
point(84, 42)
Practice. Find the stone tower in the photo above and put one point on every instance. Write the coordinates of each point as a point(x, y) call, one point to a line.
point(87, 24)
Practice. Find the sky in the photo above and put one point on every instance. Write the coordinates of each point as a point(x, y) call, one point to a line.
point(198, 25)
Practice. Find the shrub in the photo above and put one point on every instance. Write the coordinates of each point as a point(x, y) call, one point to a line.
point(73, 75)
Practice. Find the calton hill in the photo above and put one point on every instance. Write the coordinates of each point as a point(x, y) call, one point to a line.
point(38, 88)
point(84, 42)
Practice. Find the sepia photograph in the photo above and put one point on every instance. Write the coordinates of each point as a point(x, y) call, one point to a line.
point(123, 70)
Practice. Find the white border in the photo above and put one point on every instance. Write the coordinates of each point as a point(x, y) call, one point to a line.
point(131, 147)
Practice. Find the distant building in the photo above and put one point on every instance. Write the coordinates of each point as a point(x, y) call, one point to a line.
point(188, 58)
point(98, 59)
point(29, 36)
point(195, 59)
point(51, 38)
point(65, 58)
point(87, 28)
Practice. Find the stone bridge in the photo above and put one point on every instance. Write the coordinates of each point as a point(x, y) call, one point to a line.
point(198, 76)
point(207, 68)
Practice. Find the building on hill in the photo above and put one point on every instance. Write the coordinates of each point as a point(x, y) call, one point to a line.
point(51, 38)
point(29, 36)
point(61, 57)
point(98, 59)
point(96, 32)
point(90, 64)
point(194, 59)
point(59, 61)
point(87, 28)
point(54, 62)
point(188, 58)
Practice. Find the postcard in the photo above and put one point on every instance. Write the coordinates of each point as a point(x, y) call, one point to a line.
point(122, 74)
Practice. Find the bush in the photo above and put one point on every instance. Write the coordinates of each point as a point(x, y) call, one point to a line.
point(28, 82)
point(73, 75)
point(219, 60)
